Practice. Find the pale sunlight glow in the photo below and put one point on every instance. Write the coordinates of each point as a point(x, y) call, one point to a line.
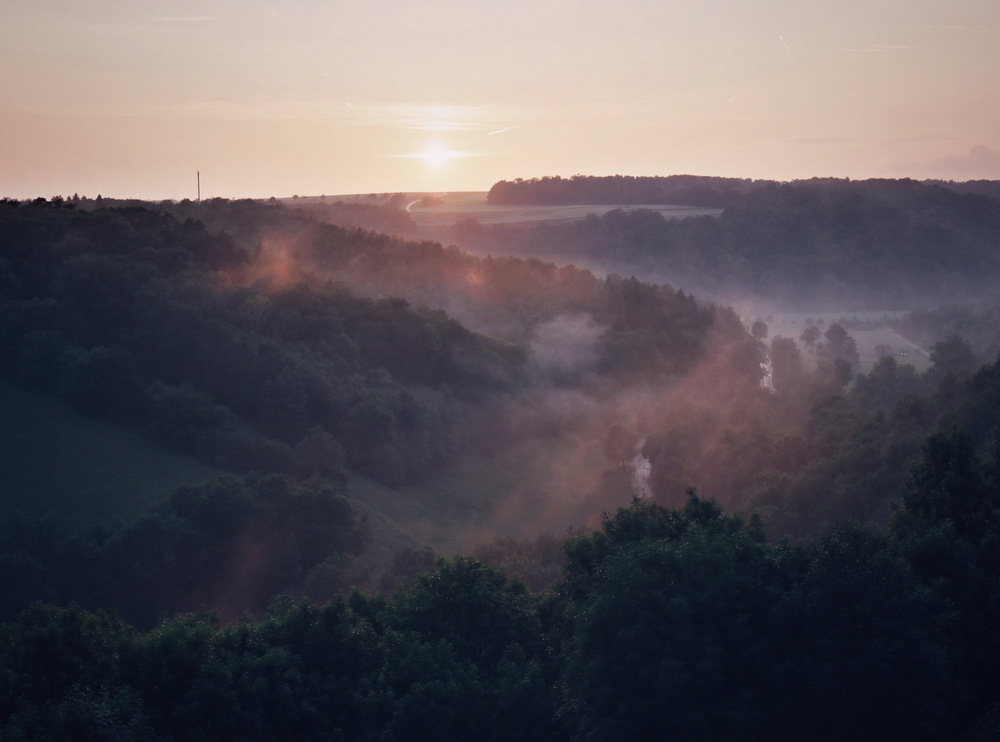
point(437, 155)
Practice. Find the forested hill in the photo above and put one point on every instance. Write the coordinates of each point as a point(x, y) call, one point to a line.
point(989, 188)
point(300, 348)
point(505, 297)
point(690, 190)
point(876, 244)
point(264, 354)
point(697, 190)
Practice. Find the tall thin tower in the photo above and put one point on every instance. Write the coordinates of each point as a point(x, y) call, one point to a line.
point(199, 186)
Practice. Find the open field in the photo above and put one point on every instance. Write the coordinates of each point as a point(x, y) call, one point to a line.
point(445, 209)
point(535, 485)
point(906, 352)
point(92, 473)
point(455, 207)
point(86, 471)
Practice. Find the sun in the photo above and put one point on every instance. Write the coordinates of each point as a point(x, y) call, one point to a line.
point(437, 155)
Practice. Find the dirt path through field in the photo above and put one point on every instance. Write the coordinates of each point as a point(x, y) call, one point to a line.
point(909, 342)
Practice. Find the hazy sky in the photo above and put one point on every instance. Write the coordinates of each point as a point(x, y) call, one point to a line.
point(132, 97)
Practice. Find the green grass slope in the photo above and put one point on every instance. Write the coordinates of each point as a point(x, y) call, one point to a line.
point(532, 486)
point(84, 471)
point(87, 473)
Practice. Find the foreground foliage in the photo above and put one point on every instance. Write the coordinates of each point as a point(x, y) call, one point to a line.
point(681, 622)
point(230, 543)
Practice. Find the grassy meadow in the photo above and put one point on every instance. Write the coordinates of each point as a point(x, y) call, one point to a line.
point(87, 471)
point(432, 210)
point(448, 208)
point(92, 473)
point(868, 339)
point(535, 485)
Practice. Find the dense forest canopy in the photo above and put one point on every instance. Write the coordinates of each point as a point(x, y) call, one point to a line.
point(664, 618)
point(836, 577)
point(245, 352)
point(305, 347)
point(133, 315)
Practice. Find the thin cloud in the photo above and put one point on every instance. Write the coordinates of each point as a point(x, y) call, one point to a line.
point(874, 48)
point(450, 154)
point(980, 163)
point(437, 118)
point(790, 56)
point(809, 141)
point(184, 19)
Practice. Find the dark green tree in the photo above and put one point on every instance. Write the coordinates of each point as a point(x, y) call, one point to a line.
point(953, 355)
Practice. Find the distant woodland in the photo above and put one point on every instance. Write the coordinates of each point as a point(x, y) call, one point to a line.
point(814, 552)
point(878, 244)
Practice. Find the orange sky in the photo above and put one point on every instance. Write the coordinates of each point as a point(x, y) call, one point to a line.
point(131, 98)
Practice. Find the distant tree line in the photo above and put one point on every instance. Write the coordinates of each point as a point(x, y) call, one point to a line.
point(873, 244)
point(976, 322)
point(989, 188)
point(690, 190)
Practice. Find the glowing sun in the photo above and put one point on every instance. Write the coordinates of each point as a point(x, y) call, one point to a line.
point(437, 155)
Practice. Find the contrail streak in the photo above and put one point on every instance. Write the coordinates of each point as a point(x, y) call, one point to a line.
point(788, 50)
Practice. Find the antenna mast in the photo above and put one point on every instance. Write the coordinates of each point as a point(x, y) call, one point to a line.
point(199, 186)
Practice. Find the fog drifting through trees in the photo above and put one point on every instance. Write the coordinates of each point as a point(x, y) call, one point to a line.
point(357, 386)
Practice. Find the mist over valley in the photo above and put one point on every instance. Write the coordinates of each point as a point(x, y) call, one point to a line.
point(508, 432)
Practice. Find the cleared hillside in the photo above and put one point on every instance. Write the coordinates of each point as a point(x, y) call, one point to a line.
point(85, 471)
